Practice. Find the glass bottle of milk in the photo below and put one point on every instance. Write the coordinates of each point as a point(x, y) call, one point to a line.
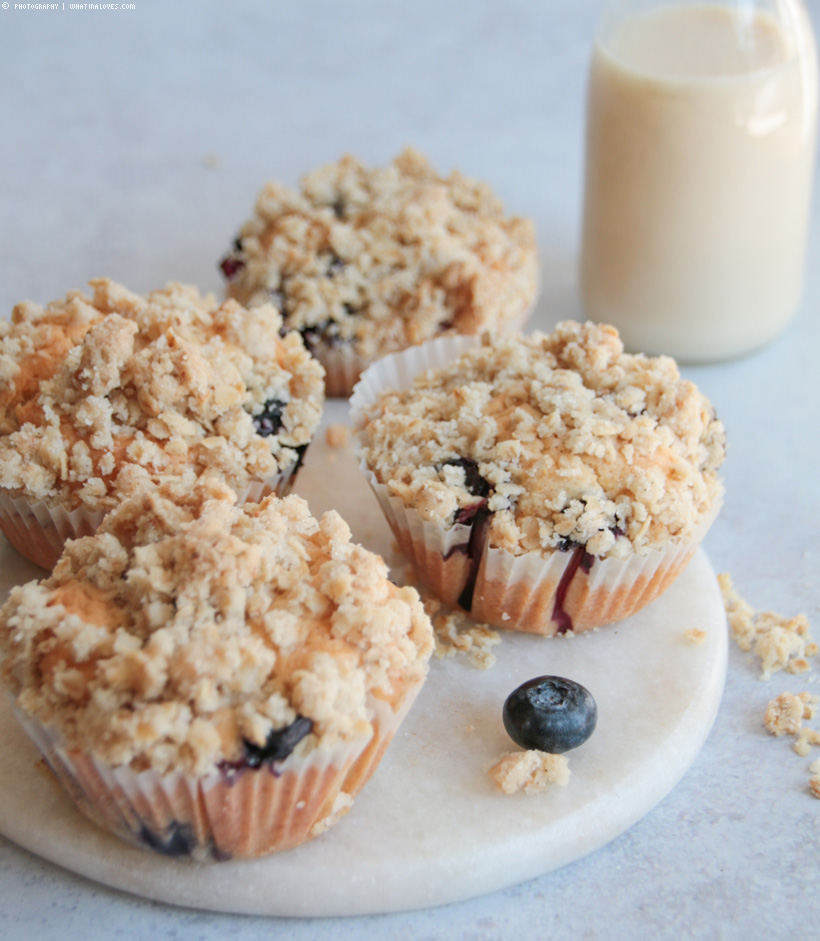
point(701, 130)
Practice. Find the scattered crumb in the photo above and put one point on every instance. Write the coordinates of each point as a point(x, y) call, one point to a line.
point(805, 739)
point(455, 633)
point(814, 784)
point(695, 636)
point(212, 161)
point(469, 730)
point(780, 643)
point(785, 714)
point(530, 771)
point(337, 435)
point(341, 806)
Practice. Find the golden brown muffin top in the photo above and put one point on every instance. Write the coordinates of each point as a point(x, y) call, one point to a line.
point(384, 258)
point(563, 438)
point(100, 396)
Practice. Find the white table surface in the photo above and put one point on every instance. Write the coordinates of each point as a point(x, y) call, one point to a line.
point(133, 144)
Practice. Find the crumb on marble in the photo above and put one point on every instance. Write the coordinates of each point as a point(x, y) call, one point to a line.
point(455, 634)
point(695, 636)
point(780, 643)
point(530, 771)
point(337, 435)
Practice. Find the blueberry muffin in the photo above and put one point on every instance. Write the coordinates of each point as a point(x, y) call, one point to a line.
point(363, 262)
point(214, 679)
point(104, 396)
point(544, 483)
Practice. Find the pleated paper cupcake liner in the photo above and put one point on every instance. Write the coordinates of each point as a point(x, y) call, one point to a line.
point(344, 367)
point(39, 531)
point(228, 813)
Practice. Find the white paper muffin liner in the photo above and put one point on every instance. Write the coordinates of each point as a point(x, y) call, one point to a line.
point(344, 367)
point(224, 814)
point(540, 593)
point(39, 531)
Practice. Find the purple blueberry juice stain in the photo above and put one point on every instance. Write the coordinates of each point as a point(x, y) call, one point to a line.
point(475, 515)
point(474, 548)
point(466, 514)
point(582, 560)
point(278, 745)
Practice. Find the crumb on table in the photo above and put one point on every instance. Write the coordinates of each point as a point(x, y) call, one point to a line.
point(780, 643)
point(695, 636)
point(785, 713)
point(530, 771)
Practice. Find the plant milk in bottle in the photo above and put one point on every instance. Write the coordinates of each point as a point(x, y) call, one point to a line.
point(701, 128)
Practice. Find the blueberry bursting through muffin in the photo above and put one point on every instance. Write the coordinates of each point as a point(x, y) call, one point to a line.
point(322, 333)
point(269, 422)
point(478, 516)
point(179, 839)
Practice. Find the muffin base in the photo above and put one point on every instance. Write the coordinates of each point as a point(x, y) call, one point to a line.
point(39, 531)
point(546, 594)
point(228, 813)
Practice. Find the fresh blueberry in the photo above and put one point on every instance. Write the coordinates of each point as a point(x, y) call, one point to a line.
point(279, 743)
point(233, 262)
point(550, 714)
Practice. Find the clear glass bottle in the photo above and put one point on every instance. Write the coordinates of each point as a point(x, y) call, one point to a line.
point(701, 135)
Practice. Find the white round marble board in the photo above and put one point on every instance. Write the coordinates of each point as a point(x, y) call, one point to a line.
point(431, 827)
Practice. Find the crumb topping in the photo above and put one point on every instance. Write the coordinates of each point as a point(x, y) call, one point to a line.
point(563, 438)
point(185, 630)
point(100, 396)
point(780, 643)
point(530, 771)
point(384, 258)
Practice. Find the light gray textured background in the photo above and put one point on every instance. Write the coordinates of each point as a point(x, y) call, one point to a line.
point(133, 144)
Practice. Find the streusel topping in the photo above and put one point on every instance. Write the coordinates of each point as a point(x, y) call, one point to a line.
point(100, 395)
point(563, 439)
point(185, 631)
point(384, 258)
